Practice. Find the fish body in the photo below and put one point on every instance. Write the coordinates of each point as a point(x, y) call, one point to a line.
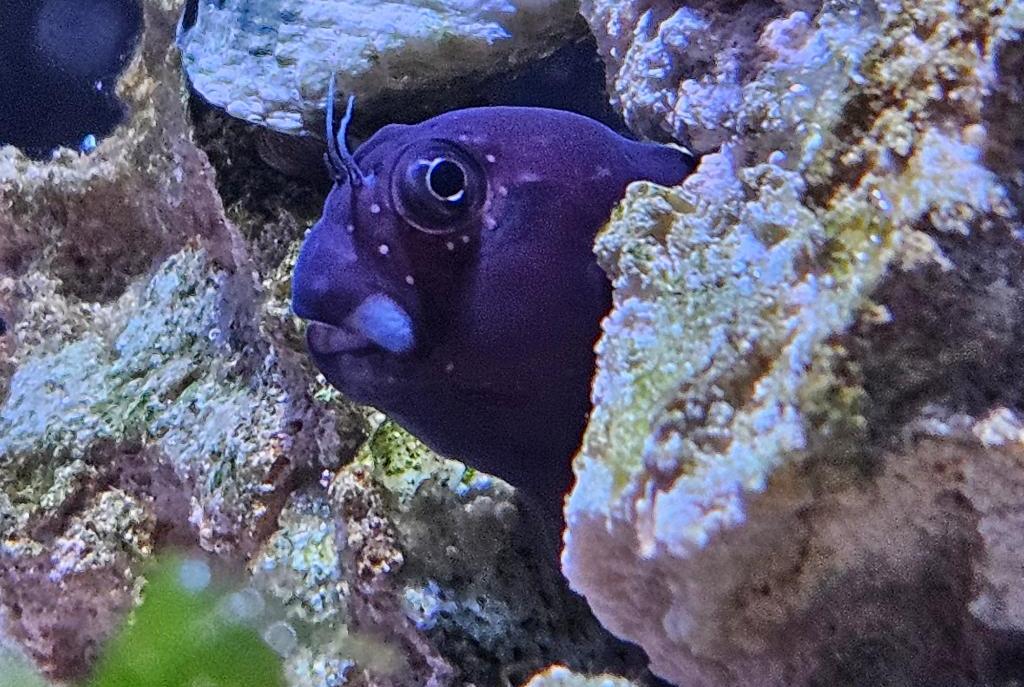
point(451, 280)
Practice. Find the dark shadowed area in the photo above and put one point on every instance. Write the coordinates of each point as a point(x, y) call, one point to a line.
point(59, 60)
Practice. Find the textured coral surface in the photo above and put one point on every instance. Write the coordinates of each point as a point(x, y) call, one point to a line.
point(785, 480)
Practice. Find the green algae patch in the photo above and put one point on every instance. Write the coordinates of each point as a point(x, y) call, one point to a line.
point(403, 463)
point(183, 634)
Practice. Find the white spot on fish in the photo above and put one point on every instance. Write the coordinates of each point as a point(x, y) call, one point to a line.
point(465, 238)
point(384, 322)
point(409, 280)
point(350, 228)
point(490, 158)
point(503, 191)
point(375, 209)
point(450, 245)
point(528, 177)
point(383, 249)
point(449, 367)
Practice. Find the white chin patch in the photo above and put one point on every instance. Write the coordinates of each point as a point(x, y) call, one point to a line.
point(385, 323)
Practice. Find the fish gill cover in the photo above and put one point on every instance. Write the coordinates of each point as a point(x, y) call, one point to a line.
point(59, 60)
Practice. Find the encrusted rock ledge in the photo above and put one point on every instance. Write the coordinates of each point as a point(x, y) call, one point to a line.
point(805, 464)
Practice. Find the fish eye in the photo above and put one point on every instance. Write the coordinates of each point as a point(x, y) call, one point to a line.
point(438, 187)
point(446, 180)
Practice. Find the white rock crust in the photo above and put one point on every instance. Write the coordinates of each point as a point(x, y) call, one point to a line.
point(268, 61)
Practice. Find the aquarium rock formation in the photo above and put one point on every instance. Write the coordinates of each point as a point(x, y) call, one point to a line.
point(268, 62)
point(804, 462)
point(155, 397)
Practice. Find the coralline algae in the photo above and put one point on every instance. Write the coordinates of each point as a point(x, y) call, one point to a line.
point(741, 509)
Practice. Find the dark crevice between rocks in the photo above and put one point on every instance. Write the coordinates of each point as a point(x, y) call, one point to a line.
point(1004, 122)
point(954, 335)
point(571, 78)
point(189, 14)
point(566, 632)
point(273, 185)
point(59, 62)
point(270, 208)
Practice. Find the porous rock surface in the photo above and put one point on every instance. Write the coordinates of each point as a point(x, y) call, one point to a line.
point(408, 571)
point(268, 61)
point(155, 396)
point(805, 461)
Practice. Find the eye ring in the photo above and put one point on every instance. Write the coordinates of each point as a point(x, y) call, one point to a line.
point(438, 187)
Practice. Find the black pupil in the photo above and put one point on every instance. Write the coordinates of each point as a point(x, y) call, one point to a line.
point(446, 179)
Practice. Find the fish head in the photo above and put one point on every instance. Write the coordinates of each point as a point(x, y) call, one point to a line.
point(451, 281)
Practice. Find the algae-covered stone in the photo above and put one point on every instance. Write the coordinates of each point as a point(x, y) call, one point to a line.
point(402, 569)
point(756, 486)
point(268, 62)
point(184, 418)
point(172, 379)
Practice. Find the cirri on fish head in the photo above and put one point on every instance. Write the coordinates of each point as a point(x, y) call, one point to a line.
point(451, 281)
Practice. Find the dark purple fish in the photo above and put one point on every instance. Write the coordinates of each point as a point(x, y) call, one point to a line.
point(451, 281)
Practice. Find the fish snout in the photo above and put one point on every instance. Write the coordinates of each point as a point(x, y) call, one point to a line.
point(327, 282)
point(346, 311)
point(320, 296)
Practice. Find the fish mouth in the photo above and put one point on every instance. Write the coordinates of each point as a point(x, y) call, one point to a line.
point(378, 322)
point(329, 339)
